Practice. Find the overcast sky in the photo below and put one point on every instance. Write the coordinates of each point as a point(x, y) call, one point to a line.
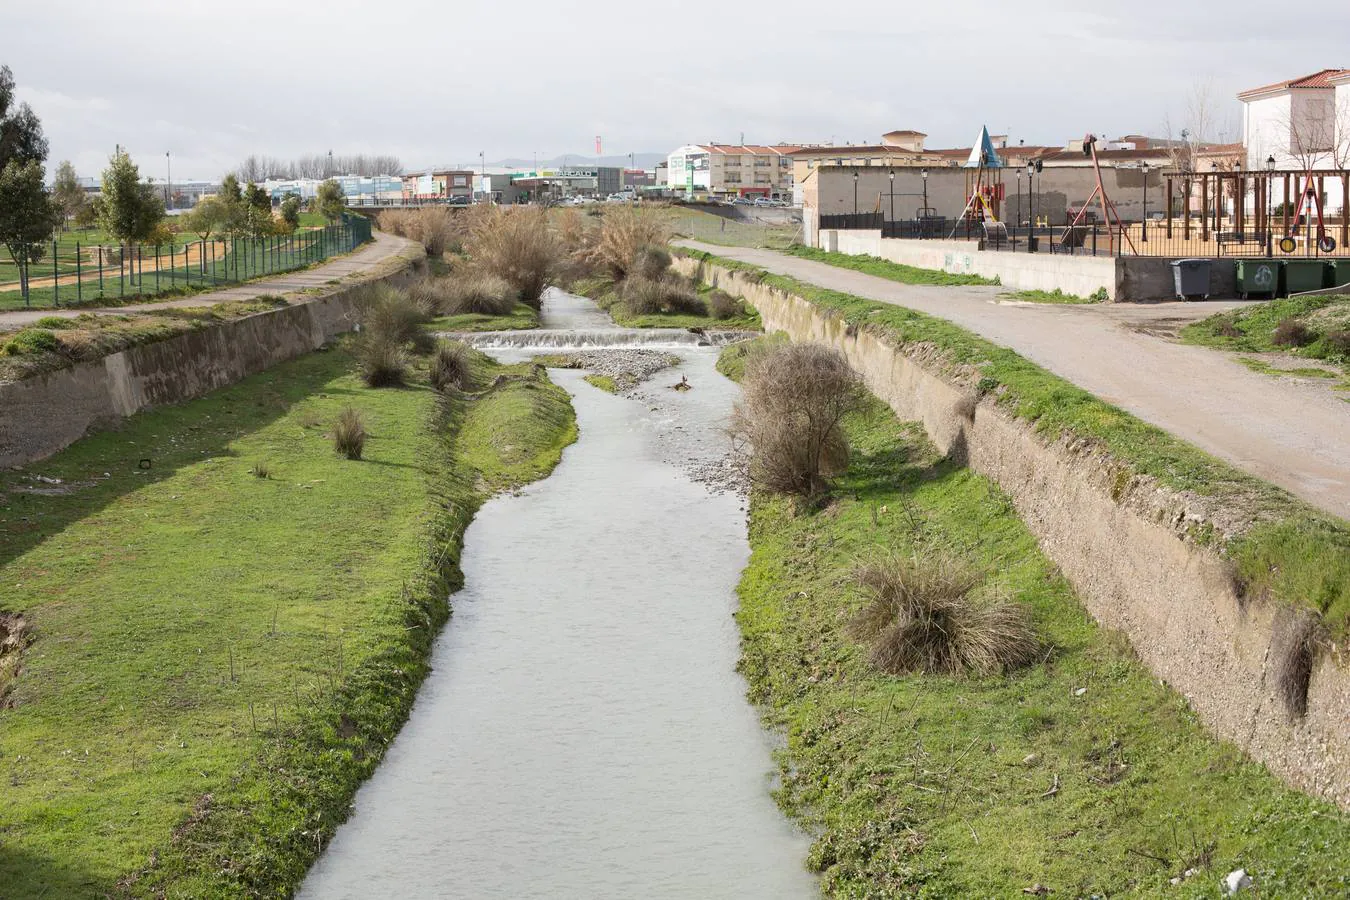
point(435, 82)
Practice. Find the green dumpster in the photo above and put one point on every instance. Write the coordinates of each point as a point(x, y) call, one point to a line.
point(1304, 275)
point(1338, 273)
point(1262, 277)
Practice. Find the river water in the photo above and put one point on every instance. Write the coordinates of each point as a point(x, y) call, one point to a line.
point(583, 733)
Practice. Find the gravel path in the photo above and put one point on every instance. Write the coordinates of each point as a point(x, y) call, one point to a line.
point(1293, 432)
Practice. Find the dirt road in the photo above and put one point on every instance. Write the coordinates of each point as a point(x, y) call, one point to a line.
point(383, 247)
point(1291, 431)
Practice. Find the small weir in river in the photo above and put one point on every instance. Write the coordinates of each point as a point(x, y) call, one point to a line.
point(583, 733)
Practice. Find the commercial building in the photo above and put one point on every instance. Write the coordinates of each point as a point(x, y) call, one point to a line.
point(732, 170)
point(360, 190)
point(438, 184)
point(568, 181)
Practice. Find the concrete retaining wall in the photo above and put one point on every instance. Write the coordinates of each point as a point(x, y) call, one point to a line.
point(46, 413)
point(1125, 278)
point(1125, 552)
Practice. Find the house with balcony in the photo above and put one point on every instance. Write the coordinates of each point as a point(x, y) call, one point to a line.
point(732, 170)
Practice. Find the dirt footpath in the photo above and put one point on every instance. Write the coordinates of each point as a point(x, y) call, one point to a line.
point(1293, 432)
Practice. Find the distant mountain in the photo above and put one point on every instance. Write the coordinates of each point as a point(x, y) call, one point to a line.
point(640, 160)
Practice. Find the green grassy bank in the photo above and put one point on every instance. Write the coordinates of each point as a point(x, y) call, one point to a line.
point(884, 268)
point(1286, 550)
point(218, 658)
point(1315, 328)
point(522, 317)
point(1080, 774)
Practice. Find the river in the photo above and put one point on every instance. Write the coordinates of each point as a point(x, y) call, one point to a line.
point(583, 732)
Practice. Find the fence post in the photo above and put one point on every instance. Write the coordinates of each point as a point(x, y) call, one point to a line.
point(56, 278)
point(100, 271)
point(157, 268)
point(121, 271)
point(79, 270)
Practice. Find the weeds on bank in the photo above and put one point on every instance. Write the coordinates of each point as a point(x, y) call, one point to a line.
point(1312, 327)
point(882, 268)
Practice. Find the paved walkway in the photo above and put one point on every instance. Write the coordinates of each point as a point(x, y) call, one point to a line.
point(1294, 432)
point(383, 247)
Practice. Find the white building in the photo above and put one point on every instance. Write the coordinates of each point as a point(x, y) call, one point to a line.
point(1301, 123)
point(727, 170)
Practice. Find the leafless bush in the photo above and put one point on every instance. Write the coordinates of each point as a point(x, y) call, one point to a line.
point(1292, 333)
point(923, 616)
point(651, 262)
point(722, 305)
point(795, 398)
point(1297, 635)
point(349, 433)
point(452, 366)
point(518, 246)
point(395, 221)
point(624, 233)
point(435, 229)
point(1338, 342)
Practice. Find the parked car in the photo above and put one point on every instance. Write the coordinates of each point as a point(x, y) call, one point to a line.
point(742, 201)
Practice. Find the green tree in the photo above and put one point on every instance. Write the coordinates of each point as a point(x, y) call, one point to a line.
point(131, 208)
point(27, 216)
point(330, 202)
point(21, 139)
point(66, 191)
point(232, 198)
point(290, 212)
point(257, 211)
point(208, 217)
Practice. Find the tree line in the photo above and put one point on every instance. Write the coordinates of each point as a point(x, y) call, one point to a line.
point(318, 165)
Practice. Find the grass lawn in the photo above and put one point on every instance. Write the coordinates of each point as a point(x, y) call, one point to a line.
point(1252, 329)
point(1298, 554)
point(219, 658)
point(603, 382)
point(523, 316)
point(714, 229)
point(1080, 773)
point(1055, 296)
point(884, 268)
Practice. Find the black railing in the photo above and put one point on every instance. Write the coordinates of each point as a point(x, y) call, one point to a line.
point(852, 221)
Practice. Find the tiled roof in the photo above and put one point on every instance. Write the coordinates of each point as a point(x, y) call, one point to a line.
point(1320, 79)
point(755, 149)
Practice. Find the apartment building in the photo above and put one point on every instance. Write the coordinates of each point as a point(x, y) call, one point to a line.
point(1299, 123)
point(732, 170)
point(438, 184)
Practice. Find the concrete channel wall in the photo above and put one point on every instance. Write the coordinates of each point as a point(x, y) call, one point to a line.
point(1122, 545)
point(1124, 278)
point(46, 413)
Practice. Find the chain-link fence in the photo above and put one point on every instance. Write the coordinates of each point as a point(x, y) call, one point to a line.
point(74, 273)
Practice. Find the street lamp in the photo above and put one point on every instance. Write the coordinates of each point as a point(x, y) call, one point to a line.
point(1270, 210)
point(924, 173)
point(892, 174)
point(1031, 205)
point(855, 192)
point(1218, 193)
point(1019, 205)
point(168, 190)
point(1144, 219)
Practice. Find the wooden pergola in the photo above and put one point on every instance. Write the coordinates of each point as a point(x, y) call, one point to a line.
point(1263, 186)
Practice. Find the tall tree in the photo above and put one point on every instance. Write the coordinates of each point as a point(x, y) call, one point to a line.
point(131, 208)
point(66, 191)
point(21, 137)
point(290, 212)
point(27, 216)
point(329, 201)
point(209, 216)
point(232, 199)
point(257, 211)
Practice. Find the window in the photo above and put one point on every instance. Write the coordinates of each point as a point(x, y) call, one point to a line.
point(732, 178)
point(763, 161)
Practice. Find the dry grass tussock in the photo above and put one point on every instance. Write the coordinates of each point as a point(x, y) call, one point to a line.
point(517, 245)
point(393, 316)
point(924, 615)
point(349, 433)
point(670, 294)
point(452, 366)
point(788, 421)
point(722, 305)
point(434, 227)
point(624, 234)
point(467, 289)
point(382, 362)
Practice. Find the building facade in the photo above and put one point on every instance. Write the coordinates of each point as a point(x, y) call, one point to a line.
point(1300, 123)
point(438, 184)
point(732, 170)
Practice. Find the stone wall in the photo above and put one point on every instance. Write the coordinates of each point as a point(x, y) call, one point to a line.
point(46, 413)
point(1123, 548)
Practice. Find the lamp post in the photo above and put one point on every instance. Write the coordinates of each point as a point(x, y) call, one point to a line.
point(1019, 204)
point(1218, 194)
point(482, 176)
point(1031, 205)
point(924, 173)
point(1143, 227)
point(168, 190)
point(855, 192)
point(1270, 211)
point(892, 175)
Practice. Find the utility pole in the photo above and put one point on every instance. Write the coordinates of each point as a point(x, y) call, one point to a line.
point(168, 190)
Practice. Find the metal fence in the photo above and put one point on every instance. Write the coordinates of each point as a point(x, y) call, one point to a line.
point(73, 273)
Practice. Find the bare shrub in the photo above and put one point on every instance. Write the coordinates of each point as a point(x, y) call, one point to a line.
point(1225, 327)
point(395, 317)
point(624, 233)
point(1338, 342)
point(383, 363)
point(722, 305)
point(395, 221)
point(452, 366)
point(517, 245)
point(349, 433)
point(923, 616)
point(1297, 635)
point(795, 397)
point(1292, 333)
point(435, 228)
